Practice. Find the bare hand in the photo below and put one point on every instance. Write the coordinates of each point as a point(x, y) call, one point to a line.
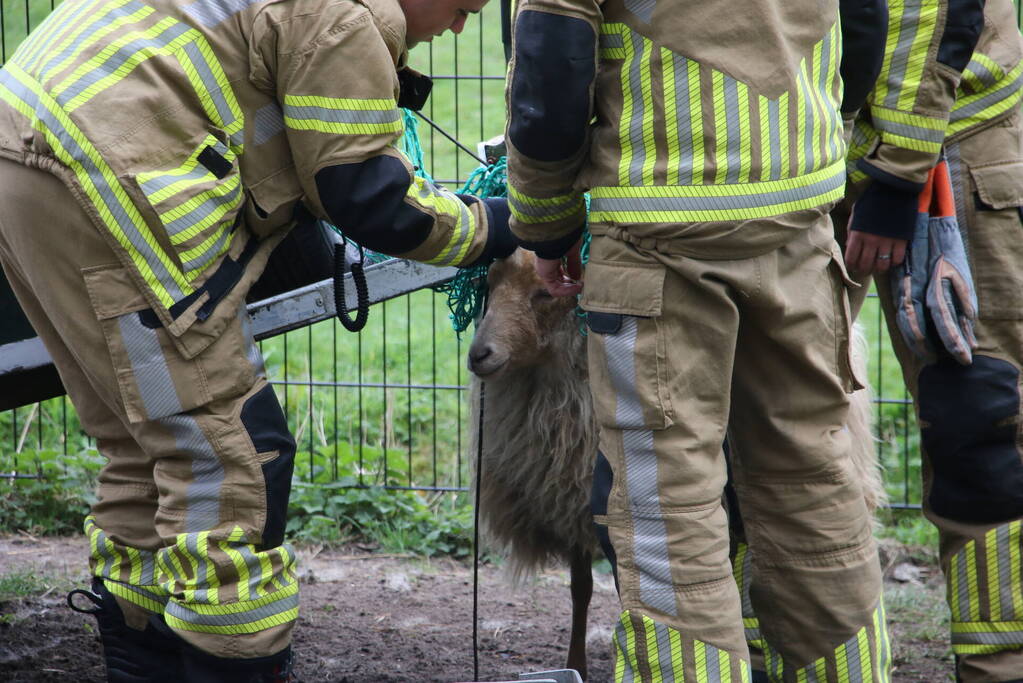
point(562, 277)
point(866, 253)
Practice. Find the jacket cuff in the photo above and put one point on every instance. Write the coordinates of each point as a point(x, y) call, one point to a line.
point(886, 210)
point(500, 240)
point(555, 249)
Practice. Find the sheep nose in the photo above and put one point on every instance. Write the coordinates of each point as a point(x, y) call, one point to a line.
point(479, 354)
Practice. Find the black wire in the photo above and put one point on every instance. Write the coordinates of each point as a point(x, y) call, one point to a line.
point(476, 544)
point(361, 290)
point(450, 137)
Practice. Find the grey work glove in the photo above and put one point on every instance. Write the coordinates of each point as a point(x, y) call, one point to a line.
point(944, 285)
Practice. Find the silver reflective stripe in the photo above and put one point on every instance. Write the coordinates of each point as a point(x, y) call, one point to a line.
point(683, 118)
point(650, 542)
point(833, 118)
point(774, 118)
point(852, 658)
point(133, 50)
point(464, 227)
point(718, 203)
point(644, 9)
point(202, 592)
point(149, 367)
point(809, 110)
point(212, 12)
point(254, 566)
point(965, 111)
point(146, 592)
point(202, 497)
point(733, 134)
point(900, 55)
point(330, 115)
point(611, 41)
point(269, 123)
point(752, 635)
point(147, 576)
point(214, 205)
point(110, 202)
point(636, 46)
point(988, 638)
point(713, 663)
point(629, 675)
point(213, 86)
point(909, 131)
point(111, 561)
point(182, 612)
point(1003, 551)
point(95, 25)
point(63, 18)
point(664, 654)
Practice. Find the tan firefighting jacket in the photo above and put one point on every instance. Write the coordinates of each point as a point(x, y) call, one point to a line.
point(190, 130)
point(691, 113)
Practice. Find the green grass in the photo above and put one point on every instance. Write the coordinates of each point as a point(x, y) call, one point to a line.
point(21, 584)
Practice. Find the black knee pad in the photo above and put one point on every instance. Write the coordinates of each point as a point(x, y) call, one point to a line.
point(603, 479)
point(969, 417)
point(268, 428)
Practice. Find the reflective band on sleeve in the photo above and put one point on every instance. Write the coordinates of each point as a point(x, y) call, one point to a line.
point(984, 106)
point(444, 203)
point(909, 131)
point(531, 210)
point(342, 116)
point(98, 182)
point(269, 122)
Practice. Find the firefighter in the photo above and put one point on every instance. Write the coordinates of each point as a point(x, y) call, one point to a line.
point(950, 89)
point(152, 154)
point(710, 140)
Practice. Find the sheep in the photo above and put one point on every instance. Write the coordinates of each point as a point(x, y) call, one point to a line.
point(540, 433)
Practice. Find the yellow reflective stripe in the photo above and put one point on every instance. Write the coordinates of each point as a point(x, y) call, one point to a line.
point(611, 51)
point(444, 203)
point(677, 663)
point(204, 260)
point(535, 210)
point(833, 96)
point(652, 653)
point(798, 145)
point(625, 122)
point(670, 115)
point(865, 660)
point(783, 127)
point(342, 116)
point(1015, 578)
point(700, 652)
point(720, 133)
point(820, 668)
point(986, 626)
point(90, 168)
point(186, 169)
point(994, 593)
point(819, 111)
point(150, 598)
point(240, 566)
point(724, 666)
point(971, 575)
point(842, 664)
point(919, 52)
point(649, 145)
point(280, 607)
point(95, 38)
point(765, 138)
point(801, 676)
point(954, 587)
point(135, 565)
point(63, 19)
point(737, 563)
point(626, 650)
point(984, 106)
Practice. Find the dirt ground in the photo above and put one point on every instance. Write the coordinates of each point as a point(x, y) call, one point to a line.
point(369, 618)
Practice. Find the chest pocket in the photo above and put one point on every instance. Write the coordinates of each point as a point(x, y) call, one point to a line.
point(197, 203)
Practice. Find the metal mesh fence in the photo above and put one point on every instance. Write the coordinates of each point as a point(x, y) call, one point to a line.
point(387, 406)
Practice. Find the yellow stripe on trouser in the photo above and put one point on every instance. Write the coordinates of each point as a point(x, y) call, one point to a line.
point(127, 572)
point(264, 594)
point(986, 615)
point(864, 658)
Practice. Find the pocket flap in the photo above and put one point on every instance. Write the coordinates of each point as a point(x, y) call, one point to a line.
point(1000, 186)
point(112, 292)
point(623, 287)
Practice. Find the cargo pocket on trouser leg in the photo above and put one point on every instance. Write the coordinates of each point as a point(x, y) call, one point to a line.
point(154, 380)
point(843, 286)
point(275, 450)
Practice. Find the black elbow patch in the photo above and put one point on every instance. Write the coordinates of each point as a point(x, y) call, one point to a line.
point(367, 201)
point(963, 26)
point(969, 417)
point(555, 65)
point(864, 31)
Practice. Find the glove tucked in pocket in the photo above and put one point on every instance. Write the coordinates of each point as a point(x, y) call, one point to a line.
point(935, 299)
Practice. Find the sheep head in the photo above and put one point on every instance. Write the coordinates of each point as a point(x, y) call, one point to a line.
point(521, 317)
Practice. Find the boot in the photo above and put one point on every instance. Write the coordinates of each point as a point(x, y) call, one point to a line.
point(131, 656)
point(202, 667)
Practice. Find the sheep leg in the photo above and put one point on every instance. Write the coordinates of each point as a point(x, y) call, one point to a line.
point(581, 573)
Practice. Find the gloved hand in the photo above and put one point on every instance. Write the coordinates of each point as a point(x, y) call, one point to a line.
point(951, 296)
point(501, 241)
point(934, 280)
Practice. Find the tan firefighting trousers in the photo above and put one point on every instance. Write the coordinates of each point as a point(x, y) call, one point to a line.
point(970, 416)
point(189, 520)
point(680, 350)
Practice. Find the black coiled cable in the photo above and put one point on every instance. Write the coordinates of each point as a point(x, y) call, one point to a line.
point(361, 289)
